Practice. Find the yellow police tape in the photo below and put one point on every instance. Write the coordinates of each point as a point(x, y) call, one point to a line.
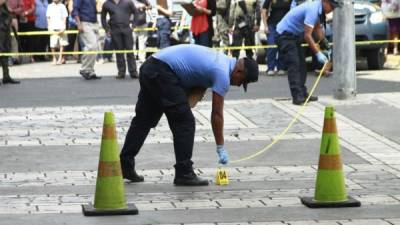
point(155, 49)
point(36, 33)
point(283, 133)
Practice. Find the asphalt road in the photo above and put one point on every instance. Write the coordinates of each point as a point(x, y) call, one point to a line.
point(76, 91)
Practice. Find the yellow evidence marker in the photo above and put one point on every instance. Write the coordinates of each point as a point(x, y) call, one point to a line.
point(222, 177)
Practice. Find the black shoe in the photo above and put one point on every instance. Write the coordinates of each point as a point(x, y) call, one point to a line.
point(190, 179)
point(120, 76)
point(85, 75)
point(132, 176)
point(313, 98)
point(94, 77)
point(298, 101)
point(11, 81)
point(134, 75)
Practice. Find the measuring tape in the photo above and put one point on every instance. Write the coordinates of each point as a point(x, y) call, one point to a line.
point(283, 133)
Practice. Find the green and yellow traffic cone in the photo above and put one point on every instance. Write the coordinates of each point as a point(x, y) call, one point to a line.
point(330, 191)
point(110, 194)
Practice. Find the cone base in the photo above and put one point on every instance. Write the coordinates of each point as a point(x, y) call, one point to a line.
point(89, 210)
point(311, 203)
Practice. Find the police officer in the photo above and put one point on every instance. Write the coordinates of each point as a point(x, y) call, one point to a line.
point(298, 25)
point(5, 41)
point(221, 24)
point(245, 18)
point(164, 79)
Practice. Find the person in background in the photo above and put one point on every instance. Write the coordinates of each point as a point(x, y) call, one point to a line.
point(244, 21)
point(297, 25)
point(140, 23)
point(221, 35)
point(5, 41)
point(163, 23)
point(26, 24)
point(202, 24)
point(57, 20)
point(272, 13)
point(42, 41)
point(15, 8)
point(119, 28)
point(73, 43)
point(84, 12)
point(391, 10)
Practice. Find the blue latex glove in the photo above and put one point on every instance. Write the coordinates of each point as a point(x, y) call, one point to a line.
point(223, 155)
point(321, 58)
point(328, 53)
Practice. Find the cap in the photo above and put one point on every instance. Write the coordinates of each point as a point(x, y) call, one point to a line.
point(335, 3)
point(250, 71)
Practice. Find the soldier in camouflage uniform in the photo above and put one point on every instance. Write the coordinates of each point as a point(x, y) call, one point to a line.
point(221, 21)
point(5, 41)
point(245, 18)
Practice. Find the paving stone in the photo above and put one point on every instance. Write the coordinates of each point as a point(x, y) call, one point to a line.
point(365, 222)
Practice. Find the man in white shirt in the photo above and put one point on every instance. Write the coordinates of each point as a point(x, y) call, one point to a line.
point(57, 18)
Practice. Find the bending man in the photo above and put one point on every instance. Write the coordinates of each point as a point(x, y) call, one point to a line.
point(165, 78)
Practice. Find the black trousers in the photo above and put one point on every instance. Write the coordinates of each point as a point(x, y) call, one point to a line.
point(4, 65)
point(122, 39)
point(293, 57)
point(240, 35)
point(27, 42)
point(42, 42)
point(160, 92)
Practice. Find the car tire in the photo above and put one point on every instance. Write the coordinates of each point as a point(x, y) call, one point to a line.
point(376, 58)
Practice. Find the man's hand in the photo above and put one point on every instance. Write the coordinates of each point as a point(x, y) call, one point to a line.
point(266, 30)
point(321, 57)
point(256, 28)
point(80, 28)
point(222, 154)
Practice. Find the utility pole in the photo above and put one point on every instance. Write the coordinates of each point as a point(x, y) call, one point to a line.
point(344, 51)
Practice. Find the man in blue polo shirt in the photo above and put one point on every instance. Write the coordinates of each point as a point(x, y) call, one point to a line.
point(299, 24)
point(165, 78)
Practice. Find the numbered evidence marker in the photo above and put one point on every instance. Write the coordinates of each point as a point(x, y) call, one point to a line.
point(222, 177)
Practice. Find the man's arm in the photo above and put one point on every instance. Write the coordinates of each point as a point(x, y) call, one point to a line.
point(217, 118)
point(104, 23)
point(75, 13)
point(308, 31)
point(165, 11)
point(265, 14)
point(31, 10)
point(319, 32)
point(258, 14)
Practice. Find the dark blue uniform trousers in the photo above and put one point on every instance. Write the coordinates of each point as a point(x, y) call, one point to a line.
point(160, 92)
point(293, 57)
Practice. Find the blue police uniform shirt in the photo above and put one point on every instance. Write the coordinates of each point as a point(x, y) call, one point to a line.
point(304, 14)
point(199, 66)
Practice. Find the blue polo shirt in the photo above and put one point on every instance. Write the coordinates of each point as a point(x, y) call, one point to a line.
point(304, 14)
point(86, 10)
point(199, 66)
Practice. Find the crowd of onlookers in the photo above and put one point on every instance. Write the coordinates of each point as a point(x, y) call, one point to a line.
point(215, 23)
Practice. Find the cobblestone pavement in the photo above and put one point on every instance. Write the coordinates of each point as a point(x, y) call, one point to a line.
point(259, 193)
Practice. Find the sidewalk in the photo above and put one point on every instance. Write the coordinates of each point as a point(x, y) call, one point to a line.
point(52, 155)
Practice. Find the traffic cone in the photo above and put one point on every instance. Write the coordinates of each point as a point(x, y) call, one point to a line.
point(222, 177)
point(330, 191)
point(110, 194)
